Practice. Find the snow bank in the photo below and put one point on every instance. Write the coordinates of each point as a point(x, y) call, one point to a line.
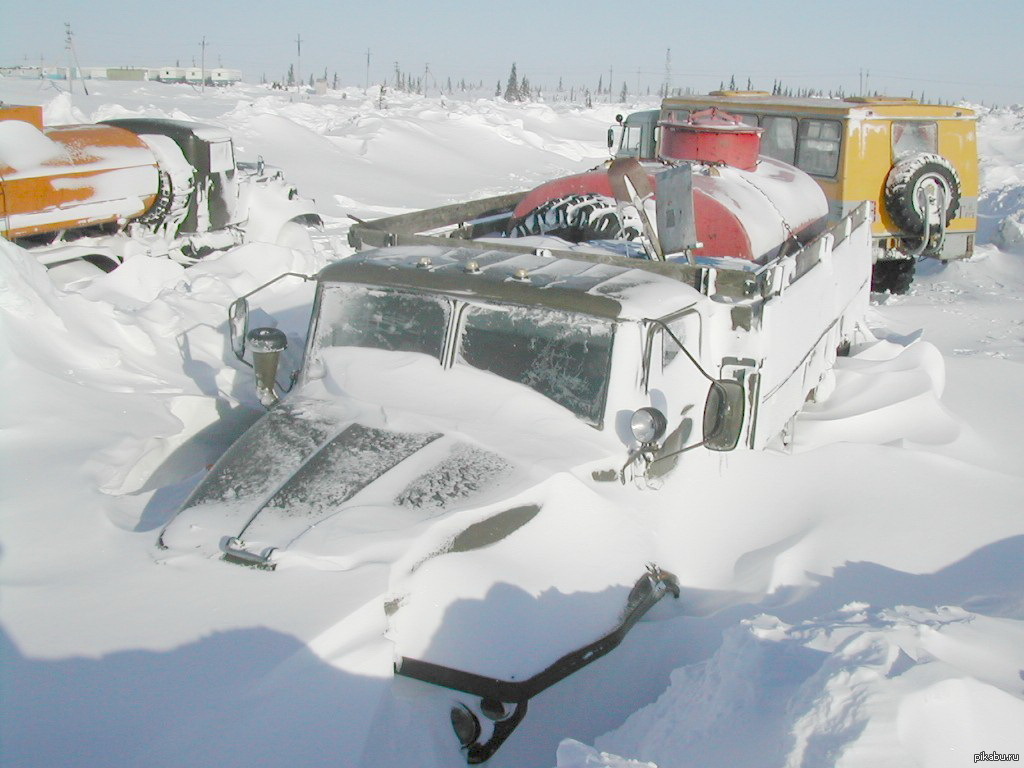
point(893, 687)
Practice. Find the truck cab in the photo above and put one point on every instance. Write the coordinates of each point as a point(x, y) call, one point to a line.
point(637, 135)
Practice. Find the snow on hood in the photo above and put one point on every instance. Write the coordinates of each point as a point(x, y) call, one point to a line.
point(360, 461)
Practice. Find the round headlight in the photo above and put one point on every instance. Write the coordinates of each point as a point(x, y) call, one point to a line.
point(648, 425)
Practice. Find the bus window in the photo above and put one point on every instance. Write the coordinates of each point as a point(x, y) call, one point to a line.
point(817, 150)
point(779, 138)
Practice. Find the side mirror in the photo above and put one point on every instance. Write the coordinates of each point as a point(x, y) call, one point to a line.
point(267, 344)
point(723, 415)
point(238, 326)
point(611, 138)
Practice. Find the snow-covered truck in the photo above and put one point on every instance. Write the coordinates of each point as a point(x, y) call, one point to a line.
point(97, 194)
point(471, 412)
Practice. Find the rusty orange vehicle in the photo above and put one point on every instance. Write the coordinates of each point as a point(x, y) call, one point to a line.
point(99, 193)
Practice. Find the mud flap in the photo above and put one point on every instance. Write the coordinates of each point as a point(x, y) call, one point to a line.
point(496, 693)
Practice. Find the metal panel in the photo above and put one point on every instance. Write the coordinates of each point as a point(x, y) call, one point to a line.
point(677, 228)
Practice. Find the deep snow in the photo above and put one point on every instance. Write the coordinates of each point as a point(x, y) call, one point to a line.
point(856, 601)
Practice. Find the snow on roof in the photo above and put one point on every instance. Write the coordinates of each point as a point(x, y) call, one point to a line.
point(605, 290)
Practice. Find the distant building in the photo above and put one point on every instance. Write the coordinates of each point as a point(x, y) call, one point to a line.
point(170, 74)
point(222, 76)
point(127, 73)
point(192, 75)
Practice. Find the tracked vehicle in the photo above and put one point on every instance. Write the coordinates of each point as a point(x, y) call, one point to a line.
point(471, 406)
point(98, 194)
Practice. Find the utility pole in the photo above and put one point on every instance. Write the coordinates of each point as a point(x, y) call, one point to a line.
point(426, 71)
point(609, 85)
point(202, 66)
point(73, 58)
point(668, 73)
point(367, 69)
point(298, 69)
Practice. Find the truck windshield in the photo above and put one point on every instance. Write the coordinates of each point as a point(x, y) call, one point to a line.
point(562, 355)
point(361, 316)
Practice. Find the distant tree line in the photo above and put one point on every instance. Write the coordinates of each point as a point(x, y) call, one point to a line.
point(518, 88)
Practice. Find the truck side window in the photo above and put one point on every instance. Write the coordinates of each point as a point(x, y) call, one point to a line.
point(914, 138)
point(817, 150)
point(779, 138)
point(632, 141)
point(686, 328)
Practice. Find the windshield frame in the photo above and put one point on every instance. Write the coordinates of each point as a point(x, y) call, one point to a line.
point(452, 338)
point(593, 416)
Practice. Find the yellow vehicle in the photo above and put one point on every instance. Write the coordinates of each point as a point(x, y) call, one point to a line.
point(917, 162)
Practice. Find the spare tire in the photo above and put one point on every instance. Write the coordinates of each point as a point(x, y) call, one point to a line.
point(575, 218)
point(907, 178)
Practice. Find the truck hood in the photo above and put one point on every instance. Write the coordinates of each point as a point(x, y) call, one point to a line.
point(309, 483)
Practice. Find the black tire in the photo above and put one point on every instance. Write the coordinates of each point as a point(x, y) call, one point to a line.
point(904, 181)
point(893, 275)
point(576, 219)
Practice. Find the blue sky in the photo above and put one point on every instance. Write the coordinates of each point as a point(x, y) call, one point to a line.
point(950, 50)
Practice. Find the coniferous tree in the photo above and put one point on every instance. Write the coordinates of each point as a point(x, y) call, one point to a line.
point(624, 93)
point(525, 92)
point(290, 80)
point(512, 87)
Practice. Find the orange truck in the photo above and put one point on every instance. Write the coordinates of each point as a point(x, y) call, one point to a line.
point(104, 192)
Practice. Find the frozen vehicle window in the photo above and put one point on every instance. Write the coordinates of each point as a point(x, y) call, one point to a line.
point(779, 138)
point(817, 150)
point(562, 355)
point(362, 316)
point(914, 137)
point(632, 141)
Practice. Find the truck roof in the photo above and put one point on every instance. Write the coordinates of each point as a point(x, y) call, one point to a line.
point(888, 107)
point(614, 291)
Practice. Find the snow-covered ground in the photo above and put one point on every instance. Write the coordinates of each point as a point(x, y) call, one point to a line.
point(858, 601)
